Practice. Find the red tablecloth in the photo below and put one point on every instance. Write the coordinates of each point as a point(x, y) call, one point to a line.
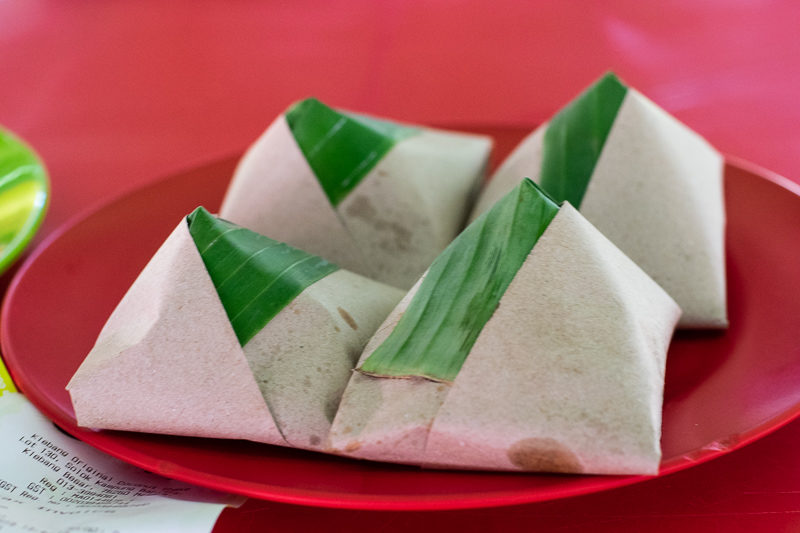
point(118, 94)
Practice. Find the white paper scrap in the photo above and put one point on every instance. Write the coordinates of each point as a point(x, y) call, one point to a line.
point(52, 483)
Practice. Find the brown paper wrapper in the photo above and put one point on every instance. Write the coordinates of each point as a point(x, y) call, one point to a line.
point(656, 192)
point(303, 357)
point(414, 202)
point(567, 375)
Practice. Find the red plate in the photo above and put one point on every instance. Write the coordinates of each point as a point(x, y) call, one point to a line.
point(723, 390)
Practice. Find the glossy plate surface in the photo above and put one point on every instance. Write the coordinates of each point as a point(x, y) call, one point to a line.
point(723, 390)
point(24, 192)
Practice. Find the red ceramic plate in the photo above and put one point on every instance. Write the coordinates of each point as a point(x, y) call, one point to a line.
point(723, 390)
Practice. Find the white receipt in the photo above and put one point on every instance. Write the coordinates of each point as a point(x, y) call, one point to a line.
point(52, 483)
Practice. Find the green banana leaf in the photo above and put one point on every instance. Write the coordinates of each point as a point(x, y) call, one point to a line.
point(255, 276)
point(462, 289)
point(341, 148)
point(575, 137)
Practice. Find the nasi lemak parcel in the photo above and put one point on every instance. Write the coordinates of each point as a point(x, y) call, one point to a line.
point(229, 334)
point(646, 181)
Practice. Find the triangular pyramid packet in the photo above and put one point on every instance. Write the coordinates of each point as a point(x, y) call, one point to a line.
point(645, 180)
point(378, 198)
point(532, 343)
point(229, 334)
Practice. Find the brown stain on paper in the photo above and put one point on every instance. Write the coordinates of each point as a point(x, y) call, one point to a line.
point(352, 446)
point(362, 208)
point(398, 237)
point(541, 454)
point(347, 318)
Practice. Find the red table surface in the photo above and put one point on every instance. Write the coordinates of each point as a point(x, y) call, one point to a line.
point(117, 94)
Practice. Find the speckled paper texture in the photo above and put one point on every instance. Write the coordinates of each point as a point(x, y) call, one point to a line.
point(386, 419)
point(401, 215)
point(566, 376)
point(303, 357)
point(414, 202)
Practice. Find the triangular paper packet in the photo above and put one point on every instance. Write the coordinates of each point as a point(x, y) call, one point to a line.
point(263, 357)
point(646, 181)
point(564, 373)
point(372, 196)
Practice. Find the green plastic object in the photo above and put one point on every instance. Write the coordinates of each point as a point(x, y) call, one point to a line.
point(463, 287)
point(255, 276)
point(341, 148)
point(24, 196)
point(575, 137)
